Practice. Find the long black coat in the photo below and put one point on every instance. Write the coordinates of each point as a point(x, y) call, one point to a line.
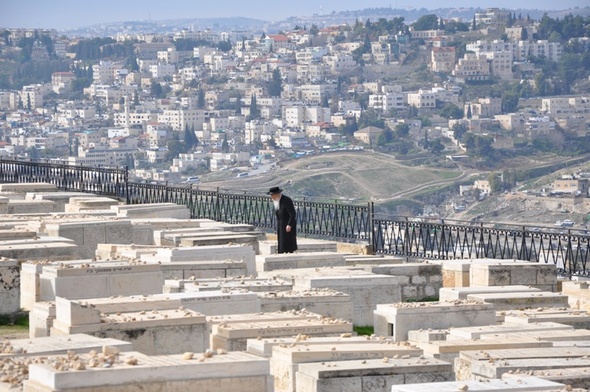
point(286, 216)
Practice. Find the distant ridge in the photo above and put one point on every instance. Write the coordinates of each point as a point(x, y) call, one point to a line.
point(331, 18)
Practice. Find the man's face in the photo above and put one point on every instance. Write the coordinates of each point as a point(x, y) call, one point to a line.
point(275, 196)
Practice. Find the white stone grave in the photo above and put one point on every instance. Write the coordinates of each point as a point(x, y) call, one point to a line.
point(516, 384)
point(234, 336)
point(378, 375)
point(454, 293)
point(327, 302)
point(304, 245)
point(220, 238)
point(10, 286)
point(509, 301)
point(513, 272)
point(365, 291)
point(238, 282)
point(397, 319)
point(40, 248)
point(298, 260)
point(83, 280)
point(285, 360)
point(153, 210)
point(134, 371)
point(418, 281)
point(242, 254)
point(89, 203)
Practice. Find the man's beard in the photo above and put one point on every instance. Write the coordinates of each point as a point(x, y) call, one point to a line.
point(277, 204)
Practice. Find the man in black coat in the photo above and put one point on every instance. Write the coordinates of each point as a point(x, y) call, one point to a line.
point(286, 220)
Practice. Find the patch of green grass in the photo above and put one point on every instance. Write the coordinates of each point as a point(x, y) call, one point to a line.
point(425, 299)
point(366, 330)
point(16, 319)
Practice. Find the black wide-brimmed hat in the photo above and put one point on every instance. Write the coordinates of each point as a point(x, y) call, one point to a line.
point(274, 190)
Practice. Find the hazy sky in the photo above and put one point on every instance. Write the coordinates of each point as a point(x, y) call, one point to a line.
point(64, 14)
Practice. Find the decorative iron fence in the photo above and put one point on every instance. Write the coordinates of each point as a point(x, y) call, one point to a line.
point(568, 250)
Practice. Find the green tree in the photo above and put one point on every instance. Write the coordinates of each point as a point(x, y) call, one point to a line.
point(426, 22)
point(451, 111)
point(224, 144)
point(156, 90)
point(459, 129)
point(254, 110)
point(495, 182)
point(201, 99)
point(402, 130)
point(385, 137)
point(276, 84)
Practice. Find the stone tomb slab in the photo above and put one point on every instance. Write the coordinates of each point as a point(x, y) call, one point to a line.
point(397, 319)
point(454, 293)
point(41, 319)
point(575, 377)
point(56, 345)
point(374, 260)
point(418, 280)
point(221, 238)
point(575, 318)
point(490, 364)
point(152, 210)
point(578, 294)
point(89, 203)
point(299, 260)
point(450, 349)
point(234, 336)
point(59, 198)
point(516, 384)
point(99, 279)
point(238, 282)
point(510, 301)
point(378, 375)
point(10, 286)
point(87, 235)
point(263, 347)
point(327, 302)
point(506, 273)
point(30, 206)
point(23, 188)
point(365, 291)
point(153, 332)
point(492, 331)
point(285, 361)
point(43, 248)
point(304, 245)
point(234, 371)
point(240, 253)
point(208, 269)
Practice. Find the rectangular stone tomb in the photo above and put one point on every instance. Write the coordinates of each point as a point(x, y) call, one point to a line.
point(242, 253)
point(99, 279)
point(374, 260)
point(575, 318)
point(304, 245)
point(153, 210)
point(238, 282)
point(208, 269)
point(90, 203)
point(10, 287)
point(263, 347)
point(516, 384)
point(492, 331)
point(576, 377)
point(561, 338)
point(211, 239)
point(454, 293)
point(43, 248)
point(298, 260)
point(490, 364)
point(56, 345)
point(172, 237)
point(578, 294)
point(397, 319)
point(41, 319)
point(378, 375)
point(418, 280)
point(87, 235)
point(285, 361)
point(151, 332)
point(59, 198)
point(506, 273)
point(233, 337)
point(365, 291)
point(327, 302)
point(30, 207)
point(22, 187)
point(124, 251)
point(134, 371)
point(449, 350)
point(509, 301)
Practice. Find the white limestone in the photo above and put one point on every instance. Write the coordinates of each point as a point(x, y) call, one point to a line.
point(454, 293)
point(298, 260)
point(10, 287)
point(516, 384)
point(397, 319)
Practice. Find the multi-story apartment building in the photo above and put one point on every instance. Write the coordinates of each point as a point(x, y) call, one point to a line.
point(492, 16)
point(484, 107)
point(472, 67)
point(104, 72)
point(61, 81)
point(422, 99)
point(179, 119)
point(443, 59)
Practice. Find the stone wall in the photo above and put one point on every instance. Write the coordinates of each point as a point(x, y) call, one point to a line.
point(9, 287)
point(418, 281)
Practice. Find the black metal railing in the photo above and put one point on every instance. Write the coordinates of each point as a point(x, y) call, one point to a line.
point(416, 237)
point(411, 237)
